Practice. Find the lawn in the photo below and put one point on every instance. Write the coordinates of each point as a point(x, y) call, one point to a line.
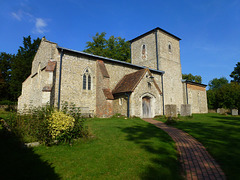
point(220, 134)
point(118, 148)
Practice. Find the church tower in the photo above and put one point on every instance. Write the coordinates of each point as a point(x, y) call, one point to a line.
point(160, 50)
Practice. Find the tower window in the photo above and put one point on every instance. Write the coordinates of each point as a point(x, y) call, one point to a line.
point(87, 80)
point(169, 47)
point(143, 51)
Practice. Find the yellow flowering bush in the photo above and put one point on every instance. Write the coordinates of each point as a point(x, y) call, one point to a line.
point(60, 124)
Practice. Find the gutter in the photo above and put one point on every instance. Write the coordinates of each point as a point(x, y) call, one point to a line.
point(162, 95)
point(186, 92)
point(109, 59)
point(60, 78)
point(128, 105)
point(156, 48)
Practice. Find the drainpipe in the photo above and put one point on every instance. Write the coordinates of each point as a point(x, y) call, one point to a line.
point(156, 48)
point(60, 78)
point(131, 52)
point(162, 94)
point(128, 105)
point(186, 92)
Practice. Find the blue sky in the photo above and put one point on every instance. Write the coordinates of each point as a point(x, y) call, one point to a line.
point(209, 29)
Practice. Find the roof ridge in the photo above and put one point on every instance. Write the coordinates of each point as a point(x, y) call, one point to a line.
point(108, 59)
point(157, 28)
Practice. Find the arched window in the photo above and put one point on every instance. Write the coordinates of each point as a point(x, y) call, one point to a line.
point(84, 81)
point(87, 80)
point(143, 51)
point(169, 47)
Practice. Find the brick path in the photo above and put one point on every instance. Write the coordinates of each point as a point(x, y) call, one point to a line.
point(194, 158)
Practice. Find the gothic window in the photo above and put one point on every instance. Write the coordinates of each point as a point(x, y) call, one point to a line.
point(143, 51)
point(87, 80)
point(84, 81)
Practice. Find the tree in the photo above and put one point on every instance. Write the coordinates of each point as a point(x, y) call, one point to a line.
point(114, 47)
point(236, 73)
point(228, 96)
point(190, 77)
point(217, 83)
point(5, 75)
point(21, 65)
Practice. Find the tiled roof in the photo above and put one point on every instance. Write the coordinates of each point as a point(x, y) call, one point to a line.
point(129, 82)
point(103, 69)
point(108, 94)
point(109, 59)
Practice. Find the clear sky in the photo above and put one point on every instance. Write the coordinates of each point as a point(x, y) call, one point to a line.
point(209, 29)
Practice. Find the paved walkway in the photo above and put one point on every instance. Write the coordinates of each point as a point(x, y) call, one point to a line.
point(195, 160)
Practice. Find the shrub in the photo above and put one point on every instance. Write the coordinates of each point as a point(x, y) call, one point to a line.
point(45, 124)
point(60, 125)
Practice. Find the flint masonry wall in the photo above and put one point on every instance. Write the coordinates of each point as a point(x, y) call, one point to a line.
point(46, 51)
point(32, 87)
point(197, 97)
point(150, 52)
point(118, 71)
point(145, 89)
point(32, 90)
point(120, 105)
point(169, 61)
point(73, 68)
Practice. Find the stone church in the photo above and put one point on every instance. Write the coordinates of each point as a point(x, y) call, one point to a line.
point(102, 87)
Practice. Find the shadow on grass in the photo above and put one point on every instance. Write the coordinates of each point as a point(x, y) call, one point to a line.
point(221, 137)
point(17, 162)
point(164, 164)
point(231, 120)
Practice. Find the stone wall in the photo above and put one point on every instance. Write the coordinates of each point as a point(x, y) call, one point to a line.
point(144, 89)
point(120, 105)
point(104, 106)
point(73, 68)
point(136, 51)
point(32, 90)
point(169, 61)
point(46, 51)
point(197, 97)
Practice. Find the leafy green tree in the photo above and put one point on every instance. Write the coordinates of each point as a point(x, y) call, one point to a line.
point(217, 83)
point(211, 99)
point(21, 65)
point(114, 47)
point(228, 96)
point(190, 77)
point(5, 75)
point(236, 73)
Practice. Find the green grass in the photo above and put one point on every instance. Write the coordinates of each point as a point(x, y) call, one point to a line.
point(118, 149)
point(220, 134)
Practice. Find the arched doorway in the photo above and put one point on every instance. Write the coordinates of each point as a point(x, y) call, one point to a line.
point(146, 107)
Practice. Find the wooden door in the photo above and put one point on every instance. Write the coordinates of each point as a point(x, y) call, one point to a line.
point(146, 107)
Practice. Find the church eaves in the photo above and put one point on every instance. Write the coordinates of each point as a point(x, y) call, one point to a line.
point(153, 30)
point(109, 59)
